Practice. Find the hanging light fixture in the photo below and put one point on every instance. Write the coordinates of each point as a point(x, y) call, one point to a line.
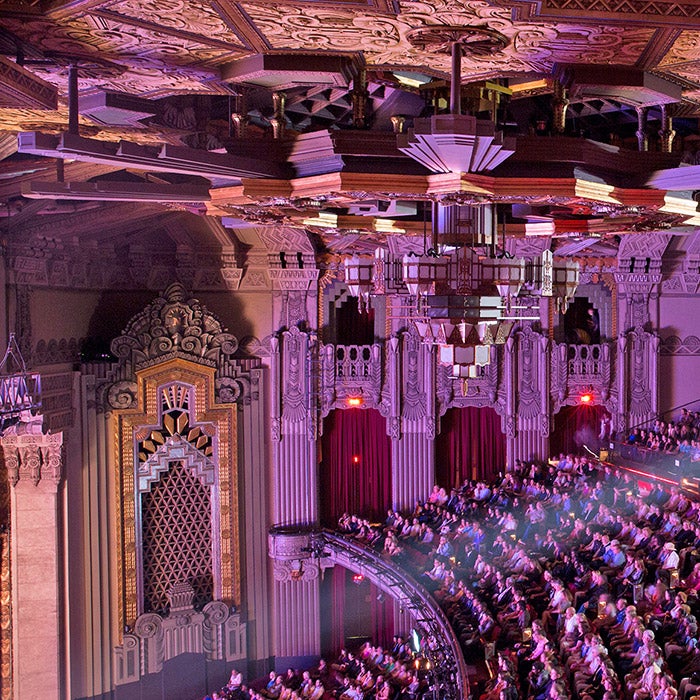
point(425, 274)
point(359, 275)
point(20, 390)
point(466, 296)
point(456, 142)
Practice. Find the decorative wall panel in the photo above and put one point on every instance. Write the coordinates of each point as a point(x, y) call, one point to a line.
point(177, 539)
point(137, 430)
point(170, 426)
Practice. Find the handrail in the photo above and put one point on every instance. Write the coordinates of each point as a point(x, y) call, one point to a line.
point(443, 650)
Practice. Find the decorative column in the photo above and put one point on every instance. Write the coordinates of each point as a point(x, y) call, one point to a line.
point(252, 414)
point(638, 278)
point(560, 103)
point(398, 123)
point(237, 115)
point(642, 130)
point(412, 419)
point(528, 412)
point(666, 133)
point(638, 370)
point(360, 100)
point(295, 497)
point(34, 468)
point(279, 101)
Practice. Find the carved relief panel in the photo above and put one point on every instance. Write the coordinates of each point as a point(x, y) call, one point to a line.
point(177, 481)
point(527, 398)
point(176, 457)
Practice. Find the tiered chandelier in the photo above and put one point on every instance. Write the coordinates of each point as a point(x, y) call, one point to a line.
point(464, 299)
point(466, 295)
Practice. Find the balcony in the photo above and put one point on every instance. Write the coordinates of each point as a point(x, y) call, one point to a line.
point(351, 372)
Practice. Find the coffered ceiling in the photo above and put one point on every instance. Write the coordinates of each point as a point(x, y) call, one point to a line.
point(317, 89)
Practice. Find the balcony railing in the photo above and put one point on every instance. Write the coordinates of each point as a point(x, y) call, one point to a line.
point(353, 361)
point(445, 650)
point(308, 547)
point(586, 362)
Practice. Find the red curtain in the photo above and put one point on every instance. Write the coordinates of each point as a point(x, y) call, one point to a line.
point(576, 426)
point(355, 465)
point(338, 583)
point(358, 612)
point(470, 444)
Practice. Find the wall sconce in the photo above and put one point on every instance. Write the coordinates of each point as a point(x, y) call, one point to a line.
point(297, 569)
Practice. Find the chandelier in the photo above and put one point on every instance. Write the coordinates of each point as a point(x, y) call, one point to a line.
point(20, 390)
point(464, 300)
point(456, 142)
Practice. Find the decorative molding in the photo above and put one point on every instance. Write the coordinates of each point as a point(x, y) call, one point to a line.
point(634, 12)
point(33, 456)
point(292, 280)
point(121, 396)
point(278, 239)
point(174, 326)
point(638, 352)
point(293, 382)
point(215, 632)
point(297, 571)
point(6, 685)
point(414, 400)
point(21, 89)
point(659, 45)
point(528, 379)
point(177, 449)
point(56, 352)
point(675, 345)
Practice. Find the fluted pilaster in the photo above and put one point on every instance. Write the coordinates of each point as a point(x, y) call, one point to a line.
point(413, 418)
point(255, 514)
point(297, 635)
point(295, 498)
point(34, 465)
point(413, 469)
point(295, 495)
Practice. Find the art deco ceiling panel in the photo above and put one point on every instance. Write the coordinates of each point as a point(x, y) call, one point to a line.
point(254, 79)
point(534, 47)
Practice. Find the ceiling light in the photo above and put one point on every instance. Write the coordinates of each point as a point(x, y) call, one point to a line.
point(456, 143)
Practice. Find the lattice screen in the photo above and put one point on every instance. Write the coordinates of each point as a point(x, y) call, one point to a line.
point(177, 538)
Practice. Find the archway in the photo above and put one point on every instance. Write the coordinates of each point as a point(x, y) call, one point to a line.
point(576, 428)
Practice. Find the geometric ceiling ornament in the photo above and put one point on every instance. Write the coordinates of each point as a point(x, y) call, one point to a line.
point(23, 90)
point(473, 41)
point(285, 71)
point(628, 84)
point(454, 143)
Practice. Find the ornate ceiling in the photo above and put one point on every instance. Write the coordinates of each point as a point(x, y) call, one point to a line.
point(317, 90)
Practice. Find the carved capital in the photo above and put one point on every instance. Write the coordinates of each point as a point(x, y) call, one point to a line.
point(295, 570)
point(33, 458)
